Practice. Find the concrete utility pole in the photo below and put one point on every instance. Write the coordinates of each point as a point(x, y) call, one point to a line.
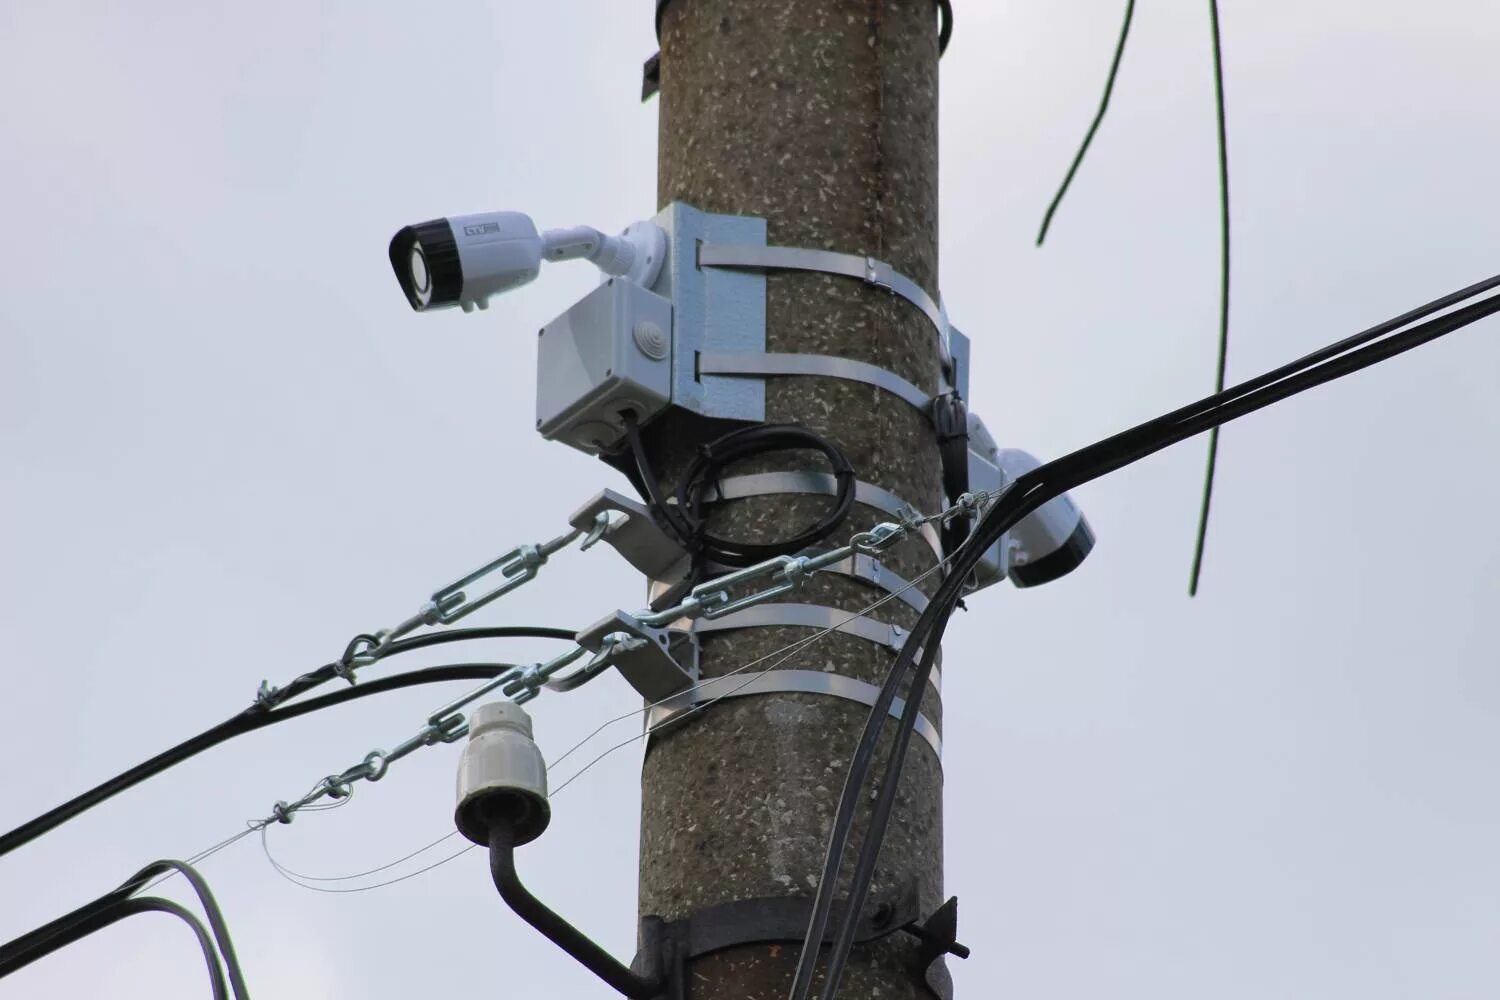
point(821, 117)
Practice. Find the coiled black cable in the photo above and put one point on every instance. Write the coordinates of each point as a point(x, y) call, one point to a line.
point(682, 517)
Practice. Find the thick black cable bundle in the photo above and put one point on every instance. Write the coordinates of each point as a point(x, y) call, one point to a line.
point(122, 902)
point(263, 714)
point(1019, 499)
point(684, 519)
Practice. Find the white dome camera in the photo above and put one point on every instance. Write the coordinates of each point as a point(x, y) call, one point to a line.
point(464, 259)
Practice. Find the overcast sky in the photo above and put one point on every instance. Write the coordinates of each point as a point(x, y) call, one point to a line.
point(228, 445)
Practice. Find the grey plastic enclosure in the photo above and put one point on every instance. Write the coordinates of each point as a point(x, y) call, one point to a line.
point(611, 352)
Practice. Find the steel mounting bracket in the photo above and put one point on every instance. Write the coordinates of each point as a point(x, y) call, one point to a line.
point(635, 535)
point(658, 663)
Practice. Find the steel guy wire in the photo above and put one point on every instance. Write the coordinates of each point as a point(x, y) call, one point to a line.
point(288, 875)
point(785, 653)
point(710, 600)
point(967, 502)
point(364, 874)
point(788, 650)
point(209, 852)
point(200, 857)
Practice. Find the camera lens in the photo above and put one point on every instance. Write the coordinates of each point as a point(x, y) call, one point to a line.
point(425, 259)
point(421, 281)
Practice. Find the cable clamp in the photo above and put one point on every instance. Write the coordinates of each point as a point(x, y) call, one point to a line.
point(661, 665)
point(880, 537)
point(615, 644)
point(938, 936)
point(267, 696)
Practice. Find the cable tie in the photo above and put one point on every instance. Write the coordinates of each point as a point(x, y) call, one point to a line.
point(267, 696)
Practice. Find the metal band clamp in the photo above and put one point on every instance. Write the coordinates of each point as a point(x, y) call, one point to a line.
point(785, 682)
point(867, 269)
point(892, 637)
point(710, 363)
point(821, 484)
point(866, 569)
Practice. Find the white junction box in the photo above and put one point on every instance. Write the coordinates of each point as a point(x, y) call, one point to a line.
point(608, 354)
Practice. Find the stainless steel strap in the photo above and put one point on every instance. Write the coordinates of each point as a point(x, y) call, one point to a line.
point(713, 363)
point(822, 484)
point(861, 567)
point(785, 682)
point(876, 573)
point(867, 269)
point(892, 637)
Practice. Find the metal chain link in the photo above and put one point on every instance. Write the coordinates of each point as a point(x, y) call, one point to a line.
point(787, 574)
point(449, 725)
point(710, 600)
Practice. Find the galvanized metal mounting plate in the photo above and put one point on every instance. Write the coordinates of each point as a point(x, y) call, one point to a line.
point(714, 310)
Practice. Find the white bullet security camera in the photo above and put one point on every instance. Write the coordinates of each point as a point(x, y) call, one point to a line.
point(464, 259)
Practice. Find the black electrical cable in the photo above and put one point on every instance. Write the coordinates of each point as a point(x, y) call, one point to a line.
point(1034, 490)
point(121, 902)
point(684, 519)
point(252, 718)
point(1201, 538)
point(216, 921)
point(120, 909)
point(468, 634)
point(1023, 496)
point(1088, 138)
point(950, 419)
point(1070, 471)
point(411, 678)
